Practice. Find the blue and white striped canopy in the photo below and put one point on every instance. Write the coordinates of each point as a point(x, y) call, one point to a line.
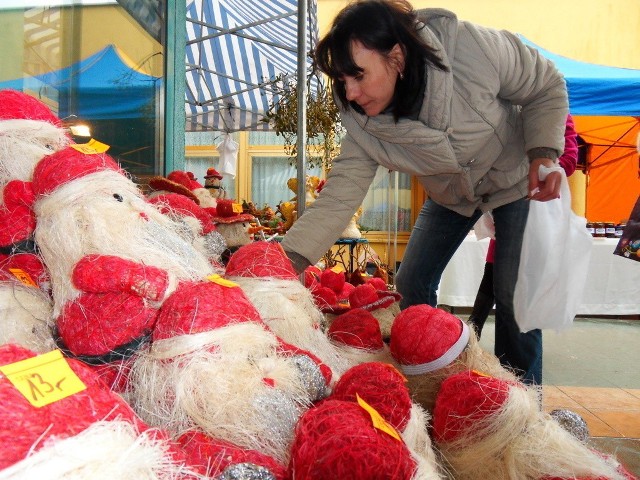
point(236, 50)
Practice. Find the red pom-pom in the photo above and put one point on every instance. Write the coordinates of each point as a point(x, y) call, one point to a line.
point(377, 283)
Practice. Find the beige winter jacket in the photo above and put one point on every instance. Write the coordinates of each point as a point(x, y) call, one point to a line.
point(468, 146)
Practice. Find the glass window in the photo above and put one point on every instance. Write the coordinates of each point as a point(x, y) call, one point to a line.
point(388, 200)
point(94, 63)
point(269, 177)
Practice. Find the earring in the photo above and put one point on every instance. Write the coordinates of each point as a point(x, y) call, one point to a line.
point(401, 76)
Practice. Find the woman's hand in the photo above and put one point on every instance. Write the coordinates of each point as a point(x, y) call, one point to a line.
point(544, 186)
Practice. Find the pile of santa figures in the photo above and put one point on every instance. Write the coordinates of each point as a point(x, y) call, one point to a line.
point(143, 338)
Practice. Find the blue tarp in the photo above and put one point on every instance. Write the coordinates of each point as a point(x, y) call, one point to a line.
point(597, 89)
point(100, 87)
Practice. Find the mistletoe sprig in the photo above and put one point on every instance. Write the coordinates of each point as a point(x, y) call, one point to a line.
point(323, 120)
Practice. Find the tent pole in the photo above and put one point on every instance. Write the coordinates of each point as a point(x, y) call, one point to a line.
point(302, 105)
point(175, 73)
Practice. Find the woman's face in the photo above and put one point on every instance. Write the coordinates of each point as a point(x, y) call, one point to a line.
point(373, 88)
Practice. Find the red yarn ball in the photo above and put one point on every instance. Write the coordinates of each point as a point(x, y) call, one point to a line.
point(421, 334)
point(381, 386)
point(337, 440)
point(465, 398)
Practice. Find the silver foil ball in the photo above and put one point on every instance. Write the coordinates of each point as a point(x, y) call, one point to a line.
point(245, 471)
point(572, 423)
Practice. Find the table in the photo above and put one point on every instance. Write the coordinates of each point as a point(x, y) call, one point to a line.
point(348, 253)
point(612, 288)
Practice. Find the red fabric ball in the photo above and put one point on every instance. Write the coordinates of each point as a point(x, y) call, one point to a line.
point(381, 386)
point(465, 398)
point(337, 440)
point(377, 283)
point(421, 334)
point(363, 295)
point(357, 328)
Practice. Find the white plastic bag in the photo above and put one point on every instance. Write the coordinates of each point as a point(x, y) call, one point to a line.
point(556, 251)
point(484, 227)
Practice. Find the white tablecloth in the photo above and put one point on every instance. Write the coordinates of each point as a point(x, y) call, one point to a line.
point(612, 288)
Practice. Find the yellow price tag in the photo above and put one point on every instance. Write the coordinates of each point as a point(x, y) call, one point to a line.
point(215, 278)
point(337, 269)
point(43, 379)
point(377, 420)
point(23, 276)
point(236, 207)
point(91, 147)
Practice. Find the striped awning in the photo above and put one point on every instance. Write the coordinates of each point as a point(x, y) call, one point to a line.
point(236, 50)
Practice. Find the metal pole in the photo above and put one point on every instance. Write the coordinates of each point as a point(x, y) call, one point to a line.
point(302, 104)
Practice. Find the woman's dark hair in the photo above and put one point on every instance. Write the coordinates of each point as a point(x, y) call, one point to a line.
point(379, 25)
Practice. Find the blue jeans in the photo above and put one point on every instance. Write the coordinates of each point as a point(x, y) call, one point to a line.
point(436, 236)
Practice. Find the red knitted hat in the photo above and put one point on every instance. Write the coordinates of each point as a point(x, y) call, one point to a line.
point(465, 398)
point(67, 165)
point(168, 202)
point(366, 296)
point(425, 339)
point(357, 328)
point(164, 184)
point(261, 260)
point(15, 105)
point(381, 386)
point(197, 307)
point(186, 179)
point(213, 173)
point(227, 211)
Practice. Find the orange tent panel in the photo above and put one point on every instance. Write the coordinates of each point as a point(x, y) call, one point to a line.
point(612, 166)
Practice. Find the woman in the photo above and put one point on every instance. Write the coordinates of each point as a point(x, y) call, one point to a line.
point(472, 113)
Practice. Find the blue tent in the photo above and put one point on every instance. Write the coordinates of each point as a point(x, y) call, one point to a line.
point(101, 87)
point(597, 89)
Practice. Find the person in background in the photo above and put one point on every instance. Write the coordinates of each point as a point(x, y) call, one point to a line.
point(484, 301)
point(472, 113)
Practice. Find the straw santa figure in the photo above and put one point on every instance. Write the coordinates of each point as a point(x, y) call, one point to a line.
point(112, 257)
point(486, 427)
point(215, 366)
point(268, 279)
point(88, 431)
point(213, 183)
point(431, 344)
